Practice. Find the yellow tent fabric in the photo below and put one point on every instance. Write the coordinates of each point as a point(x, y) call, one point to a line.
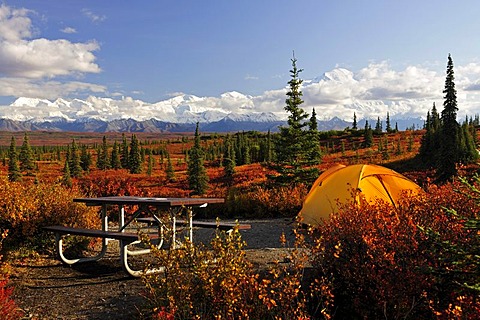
point(356, 183)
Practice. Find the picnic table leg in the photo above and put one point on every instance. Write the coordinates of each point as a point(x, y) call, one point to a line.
point(121, 218)
point(65, 260)
point(174, 231)
point(146, 251)
point(124, 253)
point(190, 224)
point(104, 218)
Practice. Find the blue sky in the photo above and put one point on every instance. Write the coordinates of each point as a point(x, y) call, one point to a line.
point(152, 50)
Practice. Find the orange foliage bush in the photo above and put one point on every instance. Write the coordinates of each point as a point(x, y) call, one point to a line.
point(220, 283)
point(260, 202)
point(113, 183)
point(382, 261)
point(27, 207)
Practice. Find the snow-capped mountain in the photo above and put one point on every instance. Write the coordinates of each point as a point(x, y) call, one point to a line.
point(337, 95)
point(179, 109)
point(179, 113)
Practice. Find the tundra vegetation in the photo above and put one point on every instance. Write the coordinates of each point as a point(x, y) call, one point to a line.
point(417, 261)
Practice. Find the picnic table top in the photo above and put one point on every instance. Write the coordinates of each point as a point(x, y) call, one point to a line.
point(159, 202)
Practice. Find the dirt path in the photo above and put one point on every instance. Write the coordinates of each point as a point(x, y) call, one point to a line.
point(45, 289)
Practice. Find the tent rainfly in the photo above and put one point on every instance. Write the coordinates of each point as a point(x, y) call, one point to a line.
point(356, 183)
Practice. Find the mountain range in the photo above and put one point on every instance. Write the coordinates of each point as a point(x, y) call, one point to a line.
point(230, 112)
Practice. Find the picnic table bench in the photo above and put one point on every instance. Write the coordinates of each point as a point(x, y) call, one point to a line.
point(126, 239)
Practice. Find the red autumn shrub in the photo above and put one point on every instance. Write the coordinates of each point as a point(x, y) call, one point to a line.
point(111, 184)
point(8, 307)
point(27, 207)
point(260, 202)
point(381, 260)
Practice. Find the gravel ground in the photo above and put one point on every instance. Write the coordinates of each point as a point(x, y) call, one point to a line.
point(45, 289)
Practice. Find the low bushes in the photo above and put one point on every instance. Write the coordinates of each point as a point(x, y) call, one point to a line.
point(220, 283)
point(416, 261)
point(26, 207)
point(261, 202)
point(386, 263)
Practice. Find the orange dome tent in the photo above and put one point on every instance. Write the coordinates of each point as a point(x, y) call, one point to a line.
point(343, 184)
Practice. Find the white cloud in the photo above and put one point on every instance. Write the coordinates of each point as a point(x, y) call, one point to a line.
point(377, 89)
point(21, 87)
point(41, 58)
point(69, 30)
point(373, 91)
point(14, 24)
point(250, 77)
point(28, 65)
point(92, 16)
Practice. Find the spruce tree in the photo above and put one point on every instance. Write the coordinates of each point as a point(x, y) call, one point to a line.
point(103, 162)
point(367, 136)
point(291, 146)
point(228, 160)
point(169, 171)
point(450, 129)
point(468, 150)
point(85, 158)
point(134, 157)
point(27, 163)
point(314, 154)
point(67, 176)
point(354, 125)
point(14, 173)
point(197, 174)
point(115, 158)
point(74, 161)
point(388, 126)
point(378, 126)
point(124, 152)
point(429, 145)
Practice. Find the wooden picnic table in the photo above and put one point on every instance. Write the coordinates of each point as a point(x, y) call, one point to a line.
point(146, 208)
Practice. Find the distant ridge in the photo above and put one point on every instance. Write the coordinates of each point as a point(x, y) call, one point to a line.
point(153, 125)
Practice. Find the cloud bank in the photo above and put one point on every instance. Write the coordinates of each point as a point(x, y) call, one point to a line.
point(28, 64)
point(35, 67)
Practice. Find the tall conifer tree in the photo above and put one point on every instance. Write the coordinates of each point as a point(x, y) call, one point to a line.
point(85, 158)
point(74, 161)
point(367, 136)
point(27, 163)
point(103, 162)
point(124, 152)
point(388, 126)
point(134, 157)
point(115, 158)
point(292, 148)
point(14, 173)
point(170, 171)
point(450, 129)
point(197, 174)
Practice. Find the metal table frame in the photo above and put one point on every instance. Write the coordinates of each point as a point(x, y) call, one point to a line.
point(144, 207)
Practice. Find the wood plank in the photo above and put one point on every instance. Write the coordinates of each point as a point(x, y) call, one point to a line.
point(157, 202)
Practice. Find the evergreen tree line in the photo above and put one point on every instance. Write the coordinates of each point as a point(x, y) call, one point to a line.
point(446, 143)
point(22, 162)
point(378, 125)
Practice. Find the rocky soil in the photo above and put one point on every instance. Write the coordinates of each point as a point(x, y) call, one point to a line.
point(45, 289)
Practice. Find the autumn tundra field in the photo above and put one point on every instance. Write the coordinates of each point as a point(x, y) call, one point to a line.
point(417, 261)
